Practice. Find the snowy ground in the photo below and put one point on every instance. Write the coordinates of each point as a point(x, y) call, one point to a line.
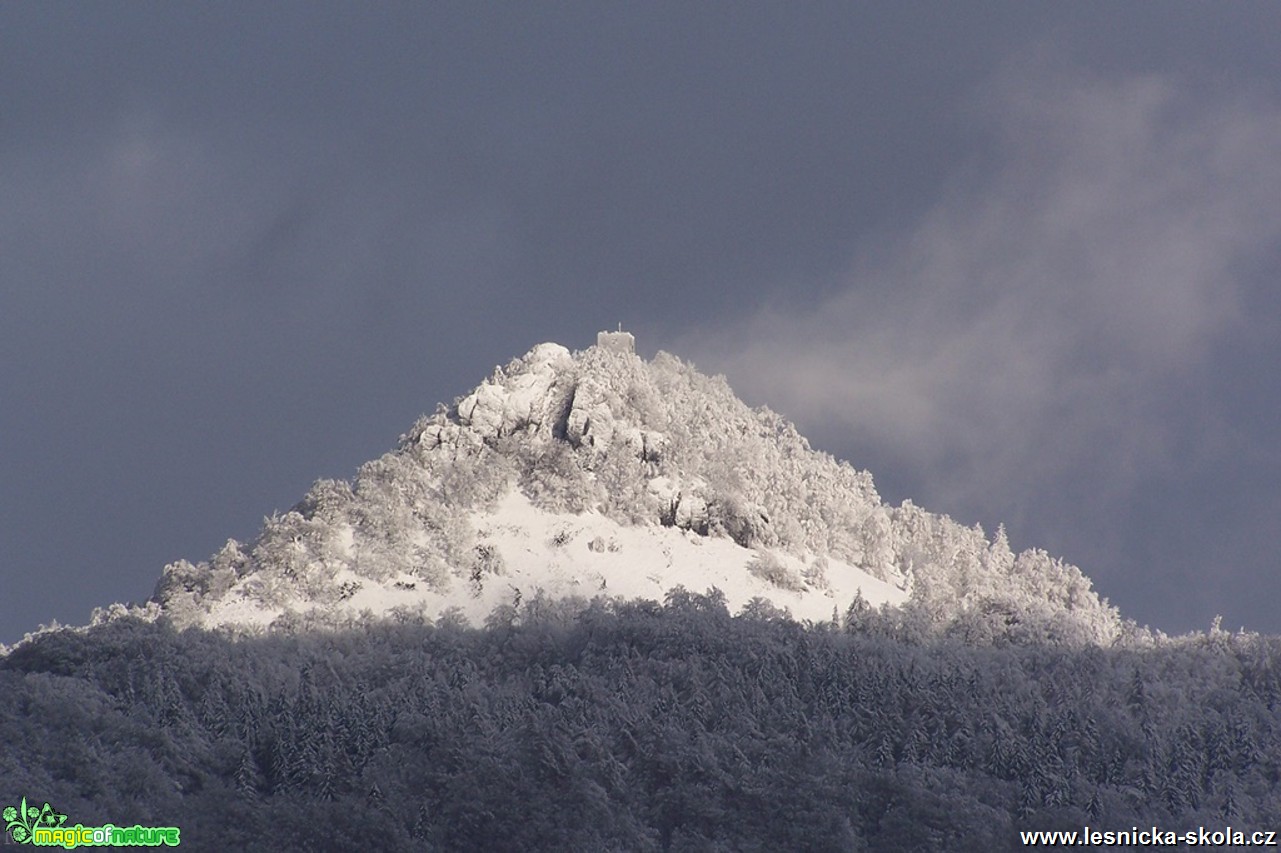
point(589, 555)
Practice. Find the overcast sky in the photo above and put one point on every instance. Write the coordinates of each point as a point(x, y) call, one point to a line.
point(1020, 260)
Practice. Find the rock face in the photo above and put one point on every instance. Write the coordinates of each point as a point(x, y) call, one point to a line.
point(532, 395)
point(601, 445)
point(546, 394)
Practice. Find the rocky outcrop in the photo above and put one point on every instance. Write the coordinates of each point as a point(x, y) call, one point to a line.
point(546, 392)
point(528, 395)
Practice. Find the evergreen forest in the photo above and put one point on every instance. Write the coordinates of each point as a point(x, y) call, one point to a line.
point(606, 725)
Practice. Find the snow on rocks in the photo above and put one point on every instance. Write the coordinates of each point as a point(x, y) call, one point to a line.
point(526, 395)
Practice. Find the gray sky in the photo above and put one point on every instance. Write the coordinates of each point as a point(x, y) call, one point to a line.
point(1020, 260)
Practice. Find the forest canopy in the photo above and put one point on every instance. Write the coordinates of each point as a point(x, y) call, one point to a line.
point(637, 726)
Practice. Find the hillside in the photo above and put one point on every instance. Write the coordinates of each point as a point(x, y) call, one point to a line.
point(556, 616)
point(599, 473)
point(637, 726)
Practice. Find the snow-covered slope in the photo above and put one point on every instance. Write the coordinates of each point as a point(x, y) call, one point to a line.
point(598, 473)
point(530, 550)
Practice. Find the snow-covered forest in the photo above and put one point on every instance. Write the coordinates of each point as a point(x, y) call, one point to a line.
point(456, 651)
point(639, 726)
point(602, 433)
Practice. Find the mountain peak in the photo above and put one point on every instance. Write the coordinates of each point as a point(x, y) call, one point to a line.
point(596, 472)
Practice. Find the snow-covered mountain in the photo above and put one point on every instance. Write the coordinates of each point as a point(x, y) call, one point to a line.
point(596, 473)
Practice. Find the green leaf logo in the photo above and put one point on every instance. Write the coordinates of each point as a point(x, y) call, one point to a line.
point(22, 820)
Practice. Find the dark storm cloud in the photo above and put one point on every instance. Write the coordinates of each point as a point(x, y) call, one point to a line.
point(243, 245)
point(1045, 343)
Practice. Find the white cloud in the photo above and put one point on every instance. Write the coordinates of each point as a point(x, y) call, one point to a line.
point(1036, 320)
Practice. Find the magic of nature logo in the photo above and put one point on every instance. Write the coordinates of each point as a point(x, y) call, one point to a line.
point(46, 827)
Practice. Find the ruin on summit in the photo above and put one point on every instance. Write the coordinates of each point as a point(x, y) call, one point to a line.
point(619, 341)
